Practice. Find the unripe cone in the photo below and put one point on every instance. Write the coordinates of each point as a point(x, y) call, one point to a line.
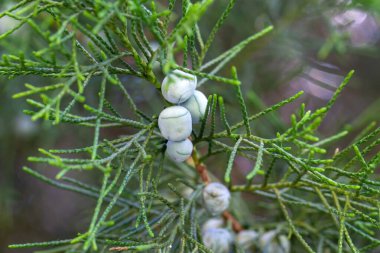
point(179, 151)
point(246, 238)
point(196, 105)
point(178, 86)
point(175, 123)
point(212, 223)
point(271, 243)
point(216, 198)
point(218, 240)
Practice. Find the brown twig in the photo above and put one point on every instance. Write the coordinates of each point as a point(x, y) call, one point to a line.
point(202, 170)
point(200, 167)
point(118, 248)
point(236, 226)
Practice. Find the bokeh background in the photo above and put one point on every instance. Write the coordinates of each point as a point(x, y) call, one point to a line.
point(315, 43)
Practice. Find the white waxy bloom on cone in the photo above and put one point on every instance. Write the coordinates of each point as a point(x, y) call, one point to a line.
point(175, 123)
point(212, 223)
point(246, 238)
point(270, 242)
point(179, 151)
point(196, 105)
point(216, 198)
point(218, 240)
point(178, 86)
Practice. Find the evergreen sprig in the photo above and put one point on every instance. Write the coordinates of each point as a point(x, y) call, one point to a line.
point(88, 46)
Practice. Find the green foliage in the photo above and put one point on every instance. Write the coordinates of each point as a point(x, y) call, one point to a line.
point(372, 5)
point(321, 201)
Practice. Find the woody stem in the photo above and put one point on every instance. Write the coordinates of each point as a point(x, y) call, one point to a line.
point(202, 170)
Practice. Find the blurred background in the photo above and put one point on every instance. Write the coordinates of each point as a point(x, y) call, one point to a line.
point(315, 43)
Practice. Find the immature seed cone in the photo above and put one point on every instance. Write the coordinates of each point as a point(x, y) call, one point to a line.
point(270, 242)
point(246, 238)
point(218, 240)
point(175, 123)
point(179, 151)
point(196, 105)
point(216, 198)
point(178, 86)
point(212, 223)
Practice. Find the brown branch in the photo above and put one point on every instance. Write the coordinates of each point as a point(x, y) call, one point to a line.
point(235, 224)
point(119, 248)
point(200, 167)
point(202, 170)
